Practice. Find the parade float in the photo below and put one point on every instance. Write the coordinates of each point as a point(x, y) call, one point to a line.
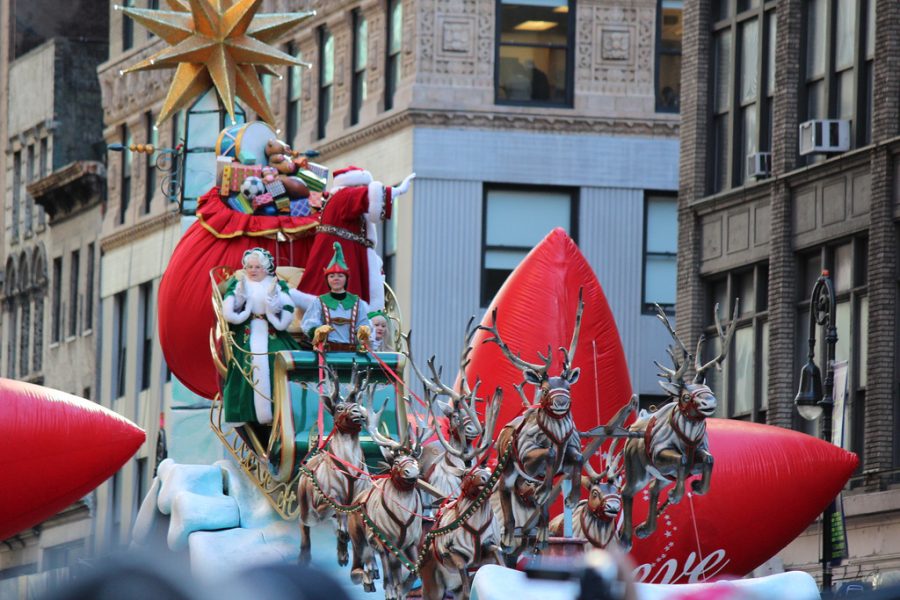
point(347, 451)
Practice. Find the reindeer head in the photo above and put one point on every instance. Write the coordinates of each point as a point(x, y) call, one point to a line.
point(553, 391)
point(404, 471)
point(402, 456)
point(604, 499)
point(695, 400)
point(474, 482)
point(348, 413)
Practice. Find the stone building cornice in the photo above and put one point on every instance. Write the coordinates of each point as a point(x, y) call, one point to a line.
point(127, 235)
point(497, 120)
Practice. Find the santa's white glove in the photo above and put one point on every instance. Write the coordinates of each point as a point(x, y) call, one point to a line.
point(240, 294)
point(403, 187)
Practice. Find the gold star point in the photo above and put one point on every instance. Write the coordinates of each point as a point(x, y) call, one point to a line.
point(216, 43)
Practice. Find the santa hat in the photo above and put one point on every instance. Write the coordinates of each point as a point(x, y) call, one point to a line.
point(351, 176)
point(337, 264)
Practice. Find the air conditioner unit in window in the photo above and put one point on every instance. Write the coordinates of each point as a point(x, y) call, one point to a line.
point(823, 136)
point(759, 164)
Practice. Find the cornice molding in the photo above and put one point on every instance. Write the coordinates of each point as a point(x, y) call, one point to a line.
point(543, 123)
point(127, 235)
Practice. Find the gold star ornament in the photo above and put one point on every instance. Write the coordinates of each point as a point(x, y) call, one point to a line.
point(221, 43)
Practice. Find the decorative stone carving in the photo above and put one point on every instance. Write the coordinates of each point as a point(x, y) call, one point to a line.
point(614, 51)
point(457, 36)
point(615, 44)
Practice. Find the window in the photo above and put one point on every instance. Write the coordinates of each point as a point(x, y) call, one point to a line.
point(120, 340)
point(127, 27)
point(17, 194)
point(126, 175)
point(535, 52)
point(74, 278)
point(846, 263)
point(150, 164)
point(743, 87)
point(265, 81)
point(29, 201)
point(146, 308)
point(63, 555)
point(295, 90)
point(668, 55)
point(40, 290)
point(44, 158)
point(741, 385)
point(515, 219)
point(140, 483)
point(56, 323)
point(25, 333)
point(840, 47)
point(360, 56)
point(326, 78)
point(12, 342)
point(394, 45)
point(89, 290)
point(660, 248)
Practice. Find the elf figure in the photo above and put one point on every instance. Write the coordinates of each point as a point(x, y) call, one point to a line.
point(337, 318)
point(355, 206)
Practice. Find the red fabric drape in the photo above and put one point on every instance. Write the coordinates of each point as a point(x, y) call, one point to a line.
point(218, 238)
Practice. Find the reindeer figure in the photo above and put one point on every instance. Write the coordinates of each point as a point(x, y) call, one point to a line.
point(393, 504)
point(594, 519)
point(445, 567)
point(540, 443)
point(444, 462)
point(673, 443)
point(340, 471)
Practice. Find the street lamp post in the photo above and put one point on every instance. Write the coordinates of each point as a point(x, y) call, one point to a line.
point(813, 399)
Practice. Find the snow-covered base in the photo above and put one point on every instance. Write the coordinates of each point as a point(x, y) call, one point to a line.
point(499, 583)
point(226, 525)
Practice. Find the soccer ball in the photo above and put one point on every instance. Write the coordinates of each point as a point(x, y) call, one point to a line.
point(252, 187)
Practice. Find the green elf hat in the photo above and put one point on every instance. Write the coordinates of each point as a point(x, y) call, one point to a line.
point(337, 264)
point(377, 313)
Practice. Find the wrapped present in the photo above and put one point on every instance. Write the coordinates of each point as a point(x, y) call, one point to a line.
point(300, 207)
point(240, 203)
point(314, 181)
point(223, 176)
point(283, 204)
point(276, 188)
point(241, 172)
point(262, 200)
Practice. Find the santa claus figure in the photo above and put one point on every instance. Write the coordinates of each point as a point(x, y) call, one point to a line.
point(355, 205)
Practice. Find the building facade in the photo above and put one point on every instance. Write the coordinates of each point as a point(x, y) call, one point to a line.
point(50, 128)
point(760, 217)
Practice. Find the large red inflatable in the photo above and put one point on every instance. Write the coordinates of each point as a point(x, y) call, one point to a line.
point(54, 449)
point(218, 237)
point(768, 483)
point(536, 307)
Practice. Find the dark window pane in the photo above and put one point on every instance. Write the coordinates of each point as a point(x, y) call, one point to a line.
point(723, 8)
point(845, 34)
point(528, 73)
point(720, 152)
point(749, 136)
point(815, 102)
point(669, 88)
point(672, 26)
point(744, 370)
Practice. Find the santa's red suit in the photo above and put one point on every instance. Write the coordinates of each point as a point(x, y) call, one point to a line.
point(353, 209)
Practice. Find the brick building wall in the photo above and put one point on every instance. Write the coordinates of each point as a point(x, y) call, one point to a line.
point(796, 217)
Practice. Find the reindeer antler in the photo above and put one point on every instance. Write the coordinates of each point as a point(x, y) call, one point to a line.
point(373, 420)
point(569, 356)
point(515, 359)
point(675, 375)
point(700, 369)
